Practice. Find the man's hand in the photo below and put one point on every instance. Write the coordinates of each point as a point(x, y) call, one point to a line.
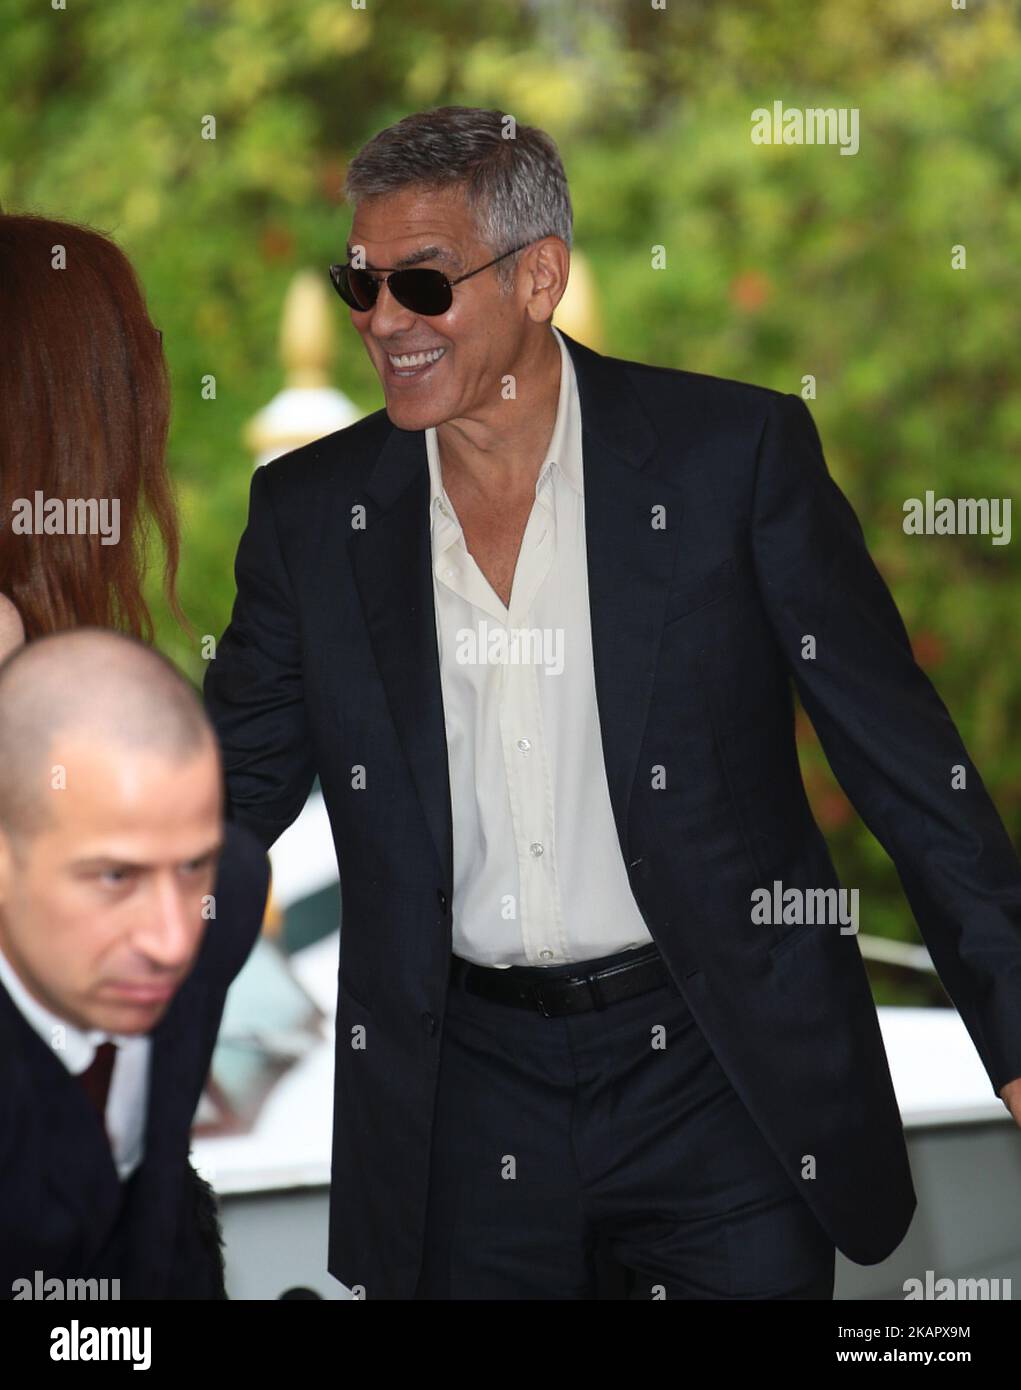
point(1011, 1097)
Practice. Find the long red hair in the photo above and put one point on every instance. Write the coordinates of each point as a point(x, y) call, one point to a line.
point(84, 413)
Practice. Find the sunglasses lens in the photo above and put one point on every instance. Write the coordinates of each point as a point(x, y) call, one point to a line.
point(361, 289)
point(354, 287)
point(422, 291)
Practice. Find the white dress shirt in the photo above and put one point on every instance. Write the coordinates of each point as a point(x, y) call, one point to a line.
point(128, 1098)
point(539, 878)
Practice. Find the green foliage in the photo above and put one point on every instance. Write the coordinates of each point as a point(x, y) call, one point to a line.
point(781, 261)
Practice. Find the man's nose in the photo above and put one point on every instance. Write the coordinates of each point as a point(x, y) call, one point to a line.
point(388, 316)
point(171, 924)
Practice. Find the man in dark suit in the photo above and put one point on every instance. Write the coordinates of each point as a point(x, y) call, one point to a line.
point(125, 913)
point(535, 626)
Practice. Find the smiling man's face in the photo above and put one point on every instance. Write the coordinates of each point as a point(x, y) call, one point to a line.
point(480, 335)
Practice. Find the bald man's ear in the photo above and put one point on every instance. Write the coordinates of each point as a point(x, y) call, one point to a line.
point(6, 865)
point(12, 630)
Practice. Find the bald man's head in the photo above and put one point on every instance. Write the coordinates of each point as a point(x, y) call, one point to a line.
point(103, 688)
point(111, 827)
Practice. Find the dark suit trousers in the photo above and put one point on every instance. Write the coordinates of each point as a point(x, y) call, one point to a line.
point(573, 1159)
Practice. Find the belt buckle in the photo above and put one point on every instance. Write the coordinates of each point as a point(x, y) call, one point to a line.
point(598, 1001)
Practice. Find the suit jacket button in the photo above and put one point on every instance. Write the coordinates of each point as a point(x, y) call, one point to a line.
point(442, 898)
point(429, 1023)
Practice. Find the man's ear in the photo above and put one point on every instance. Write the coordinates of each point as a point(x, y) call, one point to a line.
point(6, 865)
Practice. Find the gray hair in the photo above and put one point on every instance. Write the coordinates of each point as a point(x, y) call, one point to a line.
point(513, 180)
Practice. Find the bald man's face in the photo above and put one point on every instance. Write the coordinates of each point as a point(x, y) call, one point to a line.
point(102, 912)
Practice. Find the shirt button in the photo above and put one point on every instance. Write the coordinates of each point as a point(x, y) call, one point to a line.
point(524, 744)
point(535, 850)
point(546, 953)
point(448, 574)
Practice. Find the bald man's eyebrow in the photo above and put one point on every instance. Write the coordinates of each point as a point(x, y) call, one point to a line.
point(101, 863)
point(424, 253)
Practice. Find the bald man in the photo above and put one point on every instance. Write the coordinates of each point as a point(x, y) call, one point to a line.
point(126, 910)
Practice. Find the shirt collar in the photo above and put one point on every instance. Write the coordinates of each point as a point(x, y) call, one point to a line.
point(77, 1046)
point(564, 449)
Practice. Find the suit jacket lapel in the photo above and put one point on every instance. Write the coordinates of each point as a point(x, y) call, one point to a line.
point(632, 527)
point(392, 562)
point(629, 566)
point(69, 1144)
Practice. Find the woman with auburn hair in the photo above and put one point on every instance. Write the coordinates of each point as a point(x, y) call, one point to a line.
point(84, 413)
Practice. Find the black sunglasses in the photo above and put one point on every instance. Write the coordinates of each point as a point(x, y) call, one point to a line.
point(426, 292)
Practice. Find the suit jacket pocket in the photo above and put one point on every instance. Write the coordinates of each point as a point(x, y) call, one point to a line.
point(358, 995)
point(694, 593)
point(793, 935)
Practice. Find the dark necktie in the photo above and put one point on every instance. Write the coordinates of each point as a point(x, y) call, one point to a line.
point(96, 1077)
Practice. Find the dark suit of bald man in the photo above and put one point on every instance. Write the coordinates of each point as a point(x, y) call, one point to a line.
point(64, 1209)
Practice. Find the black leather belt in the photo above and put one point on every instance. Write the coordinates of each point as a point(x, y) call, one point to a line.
point(572, 990)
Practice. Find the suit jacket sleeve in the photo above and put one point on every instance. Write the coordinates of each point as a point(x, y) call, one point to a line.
point(242, 885)
point(889, 738)
point(254, 687)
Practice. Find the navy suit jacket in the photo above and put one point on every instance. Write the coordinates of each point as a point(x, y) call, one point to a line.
point(63, 1208)
point(330, 663)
